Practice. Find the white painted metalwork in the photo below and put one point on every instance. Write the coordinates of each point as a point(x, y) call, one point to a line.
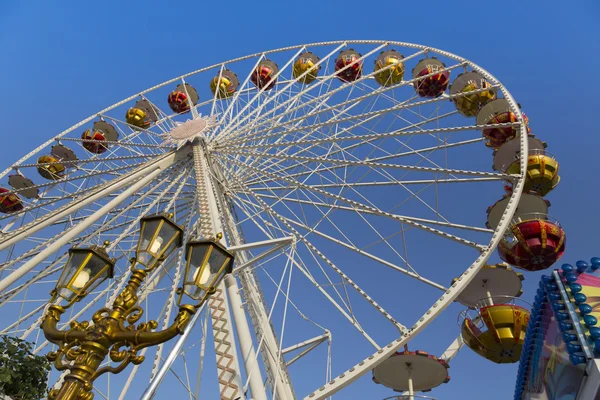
point(319, 179)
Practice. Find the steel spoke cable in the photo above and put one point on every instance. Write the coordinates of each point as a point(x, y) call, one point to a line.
point(325, 79)
point(383, 213)
point(402, 106)
point(355, 146)
point(310, 246)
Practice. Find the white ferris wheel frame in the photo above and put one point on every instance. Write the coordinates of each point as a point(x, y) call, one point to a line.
point(151, 170)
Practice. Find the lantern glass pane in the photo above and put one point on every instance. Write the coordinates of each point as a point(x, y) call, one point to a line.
point(99, 271)
point(216, 260)
point(67, 286)
point(149, 227)
point(196, 256)
point(146, 242)
point(170, 238)
point(158, 239)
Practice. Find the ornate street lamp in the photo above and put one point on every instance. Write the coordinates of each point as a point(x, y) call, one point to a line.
point(84, 271)
point(84, 347)
point(207, 263)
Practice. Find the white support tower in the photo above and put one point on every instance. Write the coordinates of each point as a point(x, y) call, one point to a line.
point(230, 381)
point(274, 362)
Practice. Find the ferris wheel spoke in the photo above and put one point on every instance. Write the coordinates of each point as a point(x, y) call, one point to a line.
point(320, 82)
point(301, 138)
point(245, 134)
point(125, 145)
point(334, 131)
point(343, 310)
point(370, 212)
point(264, 89)
point(313, 229)
point(81, 190)
point(380, 183)
point(374, 165)
point(86, 198)
point(345, 279)
point(281, 229)
point(387, 174)
point(94, 235)
point(65, 180)
point(341, 150)
point(364, 137)
point(412, 273)
point(413, 194)
point(312, 248)
point(361, 207)
point(232, 127)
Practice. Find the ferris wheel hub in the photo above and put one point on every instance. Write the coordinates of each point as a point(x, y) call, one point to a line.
point(190, 130)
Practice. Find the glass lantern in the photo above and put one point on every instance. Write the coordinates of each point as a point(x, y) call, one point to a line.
point(207, 264)
point(84, 271)
point(159, 236)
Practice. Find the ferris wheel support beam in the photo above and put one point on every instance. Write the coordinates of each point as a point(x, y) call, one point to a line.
point(153, 167)
point(274, 363)
point(229, 377)
point(453, 349)
point(89, 221)
point(280, 244)
point(173, 354)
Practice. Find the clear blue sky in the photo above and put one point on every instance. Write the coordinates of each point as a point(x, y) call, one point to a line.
point(63, 61)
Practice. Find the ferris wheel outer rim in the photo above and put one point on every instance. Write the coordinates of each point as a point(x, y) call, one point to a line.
point(221, 64)
point(450, 295)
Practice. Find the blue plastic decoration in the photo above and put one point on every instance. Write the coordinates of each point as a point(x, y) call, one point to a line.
point(562, 316)
point(590, 320)
point(571, 277)
point(575, 287)
point(566, 268)
point(595, 332)
point(585, 309)
point(551, 286)
point(597, 345)
point(573, 348)
point(577, 359)
point(569, 337)
point(579, 298)
point(581, 266)
point(556, 306)
point(554, 296)
point(565, 326)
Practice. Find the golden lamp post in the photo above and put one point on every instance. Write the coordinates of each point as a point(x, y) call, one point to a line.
point(83, 348)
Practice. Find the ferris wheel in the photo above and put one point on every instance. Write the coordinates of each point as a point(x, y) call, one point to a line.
point(350, 180)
